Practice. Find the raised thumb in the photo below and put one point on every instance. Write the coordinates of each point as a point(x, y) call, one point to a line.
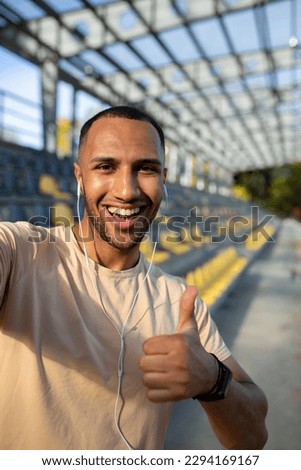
point(187, 319)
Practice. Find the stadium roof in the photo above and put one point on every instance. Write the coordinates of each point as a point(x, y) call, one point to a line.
point(222, 76)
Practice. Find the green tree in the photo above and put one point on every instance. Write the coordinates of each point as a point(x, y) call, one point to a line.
point(277, 189)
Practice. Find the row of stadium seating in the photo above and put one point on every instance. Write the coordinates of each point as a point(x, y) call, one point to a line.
point(32, 160)
point(214, 277)
point(195, 234)
point(28, 183)
point(32, 182)
point(20, 169)
point(216, 271)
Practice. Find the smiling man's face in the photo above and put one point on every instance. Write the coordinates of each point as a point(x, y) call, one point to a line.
point(121, 174)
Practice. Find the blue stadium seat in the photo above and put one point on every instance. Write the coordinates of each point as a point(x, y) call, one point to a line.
point(4, 159)
point(15, 213)
point(66, 167)
point(64, 184)
point(53, 165)
point(41, 215)
point(4, 213)
point(27, 183)
point(39, 164)
point(7, 181)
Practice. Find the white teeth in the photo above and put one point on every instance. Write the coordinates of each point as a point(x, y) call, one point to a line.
point(123, 212)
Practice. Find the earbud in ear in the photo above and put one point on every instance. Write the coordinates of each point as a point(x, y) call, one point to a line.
point(78, 189)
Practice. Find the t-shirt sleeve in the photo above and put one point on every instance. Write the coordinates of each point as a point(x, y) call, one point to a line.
point(209, 334)
point(18, 245)
point(7, 253)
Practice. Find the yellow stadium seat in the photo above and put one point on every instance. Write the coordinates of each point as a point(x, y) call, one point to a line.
point(214, 277)
point(48, 185)
point(147, 247)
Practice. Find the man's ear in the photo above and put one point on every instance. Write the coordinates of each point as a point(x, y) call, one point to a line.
point(164, 175)
point(78, 175)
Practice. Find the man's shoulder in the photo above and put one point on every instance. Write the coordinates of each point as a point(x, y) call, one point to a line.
point(24, 232)
point(19, 227)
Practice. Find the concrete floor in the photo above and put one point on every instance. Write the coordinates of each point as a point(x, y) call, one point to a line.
point(261, 323)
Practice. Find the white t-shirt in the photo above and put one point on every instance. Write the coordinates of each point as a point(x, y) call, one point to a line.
point(59, 351)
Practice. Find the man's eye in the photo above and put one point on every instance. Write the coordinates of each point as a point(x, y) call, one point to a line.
point(104, 167)
point(148, 169)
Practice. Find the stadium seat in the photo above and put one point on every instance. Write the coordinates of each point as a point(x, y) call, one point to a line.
point(7, 181)
point(15, 213)
point(66, 167)
point(215, 276)
point(27, 183)
point(147, 248)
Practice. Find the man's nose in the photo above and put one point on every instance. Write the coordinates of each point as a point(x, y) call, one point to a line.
point(126, 186)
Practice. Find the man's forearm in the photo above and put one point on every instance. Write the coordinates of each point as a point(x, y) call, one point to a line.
point(239, 420)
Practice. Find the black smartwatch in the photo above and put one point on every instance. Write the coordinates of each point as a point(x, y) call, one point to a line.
point(219, 391)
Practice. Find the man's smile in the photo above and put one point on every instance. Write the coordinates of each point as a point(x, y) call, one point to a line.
point(122, 212)
point(125, 217)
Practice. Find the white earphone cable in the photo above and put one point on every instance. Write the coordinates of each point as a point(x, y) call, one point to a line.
point(120, 370)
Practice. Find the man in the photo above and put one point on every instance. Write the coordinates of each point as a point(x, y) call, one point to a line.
point(96, 344)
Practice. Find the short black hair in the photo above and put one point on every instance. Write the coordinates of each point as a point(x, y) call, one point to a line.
point(126, 112)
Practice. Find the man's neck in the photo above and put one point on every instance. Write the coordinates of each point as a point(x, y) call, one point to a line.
point(102, 252)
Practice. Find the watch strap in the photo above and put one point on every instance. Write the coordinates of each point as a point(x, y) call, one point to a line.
point(220, 388)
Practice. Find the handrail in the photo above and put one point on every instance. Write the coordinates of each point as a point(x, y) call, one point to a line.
point(16, 131)
point(21, 99)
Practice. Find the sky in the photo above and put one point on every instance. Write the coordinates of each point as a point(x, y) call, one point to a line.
point(27, 114)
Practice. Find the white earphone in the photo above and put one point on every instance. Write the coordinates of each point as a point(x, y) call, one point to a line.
point(165, 192)
point(120, 332)
point(166, 200)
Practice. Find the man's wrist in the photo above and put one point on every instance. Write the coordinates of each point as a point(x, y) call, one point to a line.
point(220, 388)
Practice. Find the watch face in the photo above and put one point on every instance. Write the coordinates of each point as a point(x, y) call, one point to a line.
point(225, 380)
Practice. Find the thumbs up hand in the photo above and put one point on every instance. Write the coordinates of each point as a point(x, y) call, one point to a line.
point(177, 366)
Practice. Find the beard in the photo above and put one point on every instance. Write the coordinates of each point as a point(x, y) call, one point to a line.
point(118, 239)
